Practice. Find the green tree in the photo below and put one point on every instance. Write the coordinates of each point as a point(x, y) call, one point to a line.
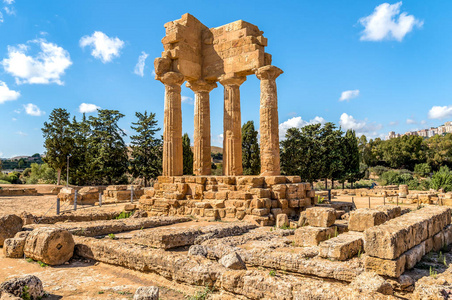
point(187, 155)
point(146, 154)
point(81, 161)
point(250, 150)
point(332, 152)
point(442, 179)
point(40, 174)
point(439, 151)
point(58, 140)
point(21, 163)
point(108, 149)
point(403, 152)
point(351, 158)
point(422, 170)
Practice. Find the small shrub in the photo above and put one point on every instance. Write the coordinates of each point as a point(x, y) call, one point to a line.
point(433, 273)
point(378, 170)
point(42, 264)
point(422, 170)
point(202, 295)
point(442, 179)
point(124, 215)
point(272, 273)
point(112, 236)
point(25, 294)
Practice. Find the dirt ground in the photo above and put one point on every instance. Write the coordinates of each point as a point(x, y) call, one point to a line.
point(83, 279)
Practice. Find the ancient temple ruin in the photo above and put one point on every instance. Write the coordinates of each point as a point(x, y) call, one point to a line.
point(202, 57)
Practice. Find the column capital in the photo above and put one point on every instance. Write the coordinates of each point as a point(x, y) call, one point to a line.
point(201, 86)
point(172, 78)
point(268, 72)
point(231, 79)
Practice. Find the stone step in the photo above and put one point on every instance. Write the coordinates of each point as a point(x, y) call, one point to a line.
point(342, 247)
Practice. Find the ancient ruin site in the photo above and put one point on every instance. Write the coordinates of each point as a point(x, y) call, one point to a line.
point(182, 221)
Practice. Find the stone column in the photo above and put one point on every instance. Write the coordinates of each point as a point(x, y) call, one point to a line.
point(232, 126)
point(201, 152)
point(269, 131)
point(172, 127)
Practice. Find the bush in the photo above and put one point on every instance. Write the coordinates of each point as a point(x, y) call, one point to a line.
point(40, 174)
point(422, 170)
point(4, 182)
point(396, 177)
point(378, 170)
point(442, 179)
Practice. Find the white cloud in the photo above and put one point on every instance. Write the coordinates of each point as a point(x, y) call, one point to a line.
point(9, 2)
point(47, 66)
point(423, 122)
point(188, 100)
point(440, 112)
point(88, 108)
point(386, 22)
point(6, 94)
point(13, 119)
point(1, 17)
point(33, 110)
point(139, 68)
point(21, 133)
point(394, 123)
point(104, 47)
point(361, 127)
point(411, 121)
point(348, 95)
point(9, 10)
point(297, 122)
point(219, 139)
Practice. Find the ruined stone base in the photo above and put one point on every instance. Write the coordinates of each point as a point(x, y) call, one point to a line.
point(259, 199)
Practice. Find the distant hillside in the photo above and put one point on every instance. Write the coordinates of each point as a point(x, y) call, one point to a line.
point(213, 149)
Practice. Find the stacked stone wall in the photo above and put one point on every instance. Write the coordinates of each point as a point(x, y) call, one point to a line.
point(257, 199)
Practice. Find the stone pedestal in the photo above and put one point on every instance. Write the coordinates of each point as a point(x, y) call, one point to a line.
point(172, 128)
point(269, 131)
point(232, 126)
point(201, 149)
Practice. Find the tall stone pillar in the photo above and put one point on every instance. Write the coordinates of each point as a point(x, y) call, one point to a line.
point(172, 127)
point(201, 152)
point(232, 126)
point(269, 131)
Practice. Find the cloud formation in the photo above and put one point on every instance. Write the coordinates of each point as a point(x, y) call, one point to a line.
point(47, 66)
point(6, 94)
point(361, 127)
point(411, 121)
point(348, 95)
point(88, 108)
point(188, 100)
point(297, 122)
point(386, 22)
point(139, 68)
point(9, 2)
point(33, 110)
point(440, 112)
point(103, 47)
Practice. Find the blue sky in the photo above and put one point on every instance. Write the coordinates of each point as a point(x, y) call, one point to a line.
point(368, 65)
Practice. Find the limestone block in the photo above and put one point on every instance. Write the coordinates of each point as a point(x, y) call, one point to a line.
point(438, 241)
point(256, 203)
point(293, 179)
point(321, 216)
point(283, 203)
point(342, 247)
point(252, 181)
point(392, 211)
point(267, 202)
point(9, 226)
point(414, 255)
point(302, 221)
point(221, 195)
point(239, 195)
point(52, 246)
point(211, 213)
point(385, 267)
point(279, 191)
point(312, 236)
point(260, 211)
point(217, 204)
point(233, 261)
point(305, 202)
point(273, 180)
point(396, 236)
point(130, 207)
point(147, 293)
point(282, 220)
point(16, 287)
point(209, 195)
point(14, 247)
point(364, 218)
point(261, 193)
point(240, 214)
point(294, 203)
point(276, 211)
point(372, 282)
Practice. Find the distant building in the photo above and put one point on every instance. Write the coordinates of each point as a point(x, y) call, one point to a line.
point(426, 133)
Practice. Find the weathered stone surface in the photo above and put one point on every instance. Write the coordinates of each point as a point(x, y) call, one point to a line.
point(147, 293)
point(52, 246)
point(392, 211)
point(342, 247)
point(364, 218)
point(232, 261)
point(414, 255)
point(197, 250)
point(14, 247)
point(392, 239)
point(282, 220)
point(385, 267)
point(115, 226)
point(16, 286)
point(177, 266)
point(434, 287)
point(9, 226)
point(372, 282)
point(312, 236)
point(168, 238)
point(321, 216)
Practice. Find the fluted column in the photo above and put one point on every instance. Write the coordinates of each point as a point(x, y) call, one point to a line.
point(201, 150)
point(172, 127)
point(269, 131)
point(232, 126)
